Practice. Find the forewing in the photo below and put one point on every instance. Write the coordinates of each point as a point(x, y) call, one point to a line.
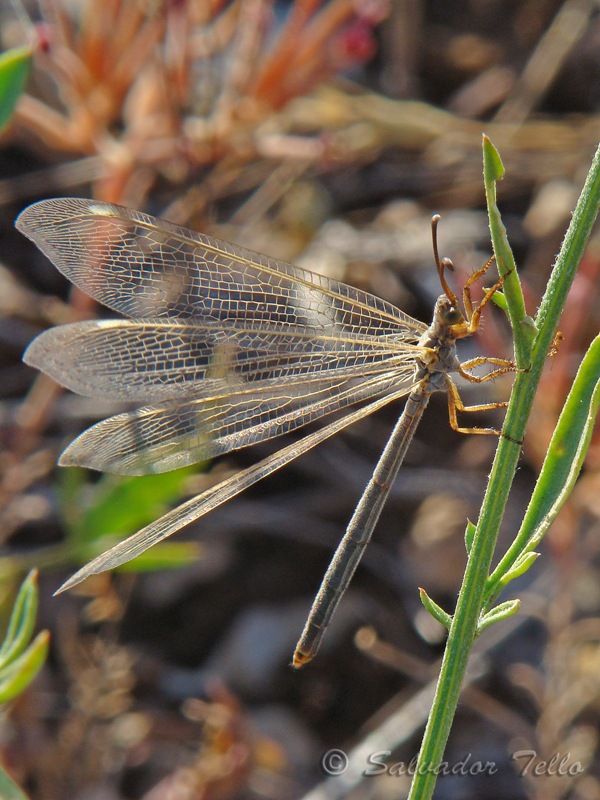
point(144, 267)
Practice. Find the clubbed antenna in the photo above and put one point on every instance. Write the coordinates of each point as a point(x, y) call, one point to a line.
point(442, 264)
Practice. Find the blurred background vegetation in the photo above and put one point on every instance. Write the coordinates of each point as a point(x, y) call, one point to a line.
point(324, 133)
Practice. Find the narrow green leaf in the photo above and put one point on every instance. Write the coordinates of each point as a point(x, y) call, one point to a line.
point(499, 300)
point(520, 567)
point(498, 613)
point(14, 68)
point(22, 620)
point(9, 789)
point(561, 467)
point(19, 674)
point(469, 535)
point(493, 170)
point(437, 612)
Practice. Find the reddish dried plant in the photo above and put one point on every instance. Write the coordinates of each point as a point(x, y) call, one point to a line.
point(167, 88)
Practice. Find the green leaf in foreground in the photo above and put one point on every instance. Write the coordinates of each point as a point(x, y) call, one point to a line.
point(22, 620)
point(14, 69)
point(17, 676)
point(9, 789)
point(20, 661)
point(115, 507)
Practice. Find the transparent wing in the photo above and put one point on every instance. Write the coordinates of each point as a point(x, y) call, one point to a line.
point(144, 267)
point(159, 439)
point(154, 361)
point(190, 511)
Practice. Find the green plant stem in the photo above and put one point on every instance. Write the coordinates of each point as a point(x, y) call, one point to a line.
point(471, 597)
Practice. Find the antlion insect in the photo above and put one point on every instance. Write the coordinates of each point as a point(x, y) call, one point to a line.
point(232, 348)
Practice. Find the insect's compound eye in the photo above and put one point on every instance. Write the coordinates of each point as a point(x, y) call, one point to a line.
point(452, 316)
